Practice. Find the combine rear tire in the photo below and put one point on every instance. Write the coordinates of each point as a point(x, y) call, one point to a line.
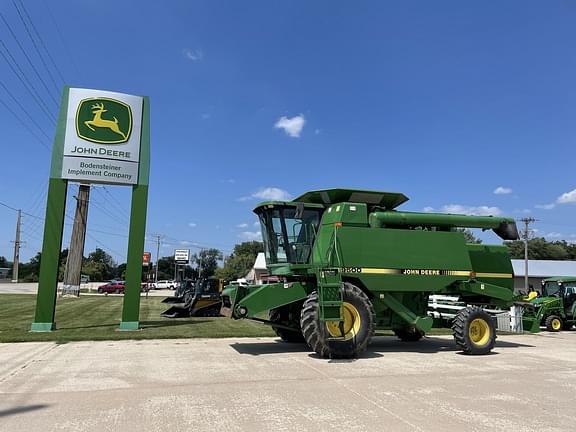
point(281, 316)
point(409, 334)
point(474, 331)
point(339, 341)
point(553, 323)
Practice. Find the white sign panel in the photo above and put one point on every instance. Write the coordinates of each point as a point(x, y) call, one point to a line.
point(182, 255)
point(102, 142)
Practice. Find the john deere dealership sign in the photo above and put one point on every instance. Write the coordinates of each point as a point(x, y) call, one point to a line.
point(102, 141)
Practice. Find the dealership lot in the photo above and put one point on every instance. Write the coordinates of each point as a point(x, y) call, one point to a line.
point(528, 384)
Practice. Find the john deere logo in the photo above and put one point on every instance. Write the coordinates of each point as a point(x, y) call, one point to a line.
point(103, 121)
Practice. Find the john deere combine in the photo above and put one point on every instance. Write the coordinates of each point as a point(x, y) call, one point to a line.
point(349, 264)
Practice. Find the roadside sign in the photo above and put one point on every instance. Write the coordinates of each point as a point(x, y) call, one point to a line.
point(182, 255)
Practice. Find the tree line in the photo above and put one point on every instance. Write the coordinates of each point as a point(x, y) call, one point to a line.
point(100, 266)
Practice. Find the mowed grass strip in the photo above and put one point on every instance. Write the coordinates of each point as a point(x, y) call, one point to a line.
point(98, 318)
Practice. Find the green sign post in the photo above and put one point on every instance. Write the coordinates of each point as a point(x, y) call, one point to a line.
point(101, 137)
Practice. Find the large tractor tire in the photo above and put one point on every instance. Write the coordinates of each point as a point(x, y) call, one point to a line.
point(554, 323)
point(351, 337)
point(474, 331)
point(282, 316)
point(409, 334)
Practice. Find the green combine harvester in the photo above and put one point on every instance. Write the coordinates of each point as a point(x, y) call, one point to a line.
point(350, 264)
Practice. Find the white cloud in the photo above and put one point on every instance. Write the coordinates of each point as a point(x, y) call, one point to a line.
point(257, 224)
point(545, 206)
point(195, 55)
point(242, 225)
point(553, 235)
point(250, 235)
point(568, 197)
point(428, 209)
point(501, 190)
point(292, 126)
point(192, 225)
point(269, 194)
point(471, 210)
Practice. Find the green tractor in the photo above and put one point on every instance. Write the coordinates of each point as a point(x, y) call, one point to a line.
point(556, 307)
point(350, 264)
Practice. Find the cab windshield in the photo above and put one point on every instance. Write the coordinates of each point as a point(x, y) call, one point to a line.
point(289, 233)
point(551, 289)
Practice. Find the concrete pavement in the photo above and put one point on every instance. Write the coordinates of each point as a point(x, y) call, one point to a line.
point(528, 384)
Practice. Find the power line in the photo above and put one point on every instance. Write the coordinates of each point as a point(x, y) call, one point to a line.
point(27, 84)
point(11, 111)
point(28, 58)
point(42, 42)
point(36, 47)
point(24, 110)
point(63, 41)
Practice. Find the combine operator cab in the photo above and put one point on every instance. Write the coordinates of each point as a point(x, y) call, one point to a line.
point(288, 232)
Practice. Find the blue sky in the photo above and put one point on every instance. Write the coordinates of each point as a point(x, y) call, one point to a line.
point(447, 102)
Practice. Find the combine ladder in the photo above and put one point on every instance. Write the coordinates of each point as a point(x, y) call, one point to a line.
point(330, 294)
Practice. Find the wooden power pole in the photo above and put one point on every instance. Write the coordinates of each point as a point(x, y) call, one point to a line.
point(73, 270)
point(16, 261)
point(526, 237)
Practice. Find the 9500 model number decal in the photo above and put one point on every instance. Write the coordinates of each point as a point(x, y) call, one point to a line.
point(420, 272)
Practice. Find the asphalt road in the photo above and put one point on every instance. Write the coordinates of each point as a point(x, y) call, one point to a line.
point(527, 384)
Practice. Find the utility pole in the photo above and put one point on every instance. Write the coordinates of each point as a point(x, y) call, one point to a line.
point(72, 273)
point(157, 255)
point(525, 236)
point(16, 248)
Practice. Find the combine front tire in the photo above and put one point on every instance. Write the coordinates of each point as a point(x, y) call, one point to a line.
point(553, 323)
point(282, 316)
point(474, 331)
point(409, 334)
point(345, 340)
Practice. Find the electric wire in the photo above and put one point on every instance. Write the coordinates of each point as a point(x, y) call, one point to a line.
point(17, 102)
point(57, 90)
point(63, 41)
point(28, 59)
point(30, 88)
point(9, 109)
point(42, 42)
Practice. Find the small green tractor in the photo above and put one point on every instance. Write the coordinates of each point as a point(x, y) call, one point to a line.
point(556, 307)
point(350, 264)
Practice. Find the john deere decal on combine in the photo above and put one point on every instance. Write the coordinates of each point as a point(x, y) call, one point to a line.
point(349, 264)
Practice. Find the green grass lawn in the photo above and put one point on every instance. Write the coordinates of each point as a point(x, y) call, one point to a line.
point(98, 318)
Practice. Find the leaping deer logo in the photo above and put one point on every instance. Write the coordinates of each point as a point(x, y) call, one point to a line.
point(98, 121)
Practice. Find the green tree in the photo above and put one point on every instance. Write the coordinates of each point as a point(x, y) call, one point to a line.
point(4, 263)
point(207, 261)
point(99, 266)
point(469, 236)
point(239, 263)
point(30, 271)
point(540, 249)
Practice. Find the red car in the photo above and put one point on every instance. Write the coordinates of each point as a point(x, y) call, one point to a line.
point(114, 287)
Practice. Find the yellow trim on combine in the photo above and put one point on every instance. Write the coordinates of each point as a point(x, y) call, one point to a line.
point(495, 275)
point(379, 271)
point(424, 272)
